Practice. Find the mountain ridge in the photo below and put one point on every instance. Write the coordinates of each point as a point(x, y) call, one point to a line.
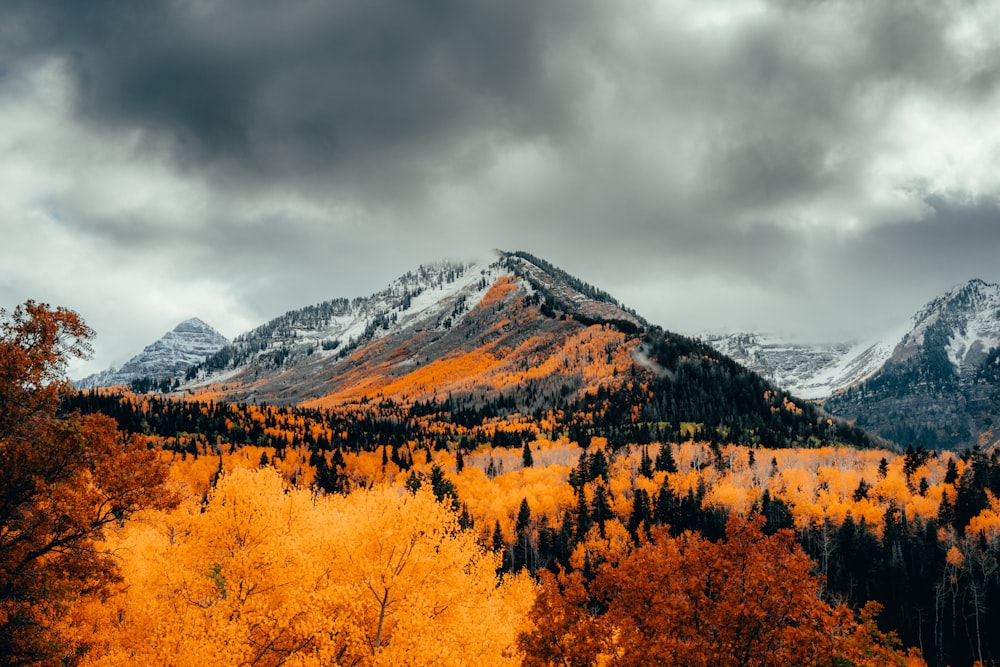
point(927, 382)
point(507, 343)
point(308, 354)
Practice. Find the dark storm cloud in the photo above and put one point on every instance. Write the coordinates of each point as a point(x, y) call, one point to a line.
point(379, 102)
point(958, 239)
point(361, 90)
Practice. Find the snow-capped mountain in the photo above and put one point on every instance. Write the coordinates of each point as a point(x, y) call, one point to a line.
point(188, 344)
point(349, 348)
point(512, 340)
point(964, 323)
point(810, 371)
point(926, 382)
point(940, 387)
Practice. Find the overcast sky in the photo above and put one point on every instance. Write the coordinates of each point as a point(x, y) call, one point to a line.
point(817, 169)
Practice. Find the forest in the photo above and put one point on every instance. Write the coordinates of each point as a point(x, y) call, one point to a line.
point(150, 529)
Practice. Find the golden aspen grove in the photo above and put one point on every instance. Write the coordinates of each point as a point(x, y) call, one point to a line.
point(212, 533)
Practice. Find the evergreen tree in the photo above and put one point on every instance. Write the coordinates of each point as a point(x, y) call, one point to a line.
point(601, 507)
point(524, 551)
point(665, 459)
point(599, 466)
point(526, 457)
point(951, 474)
point(641, 515)
point(645, 464)
point(443, 488)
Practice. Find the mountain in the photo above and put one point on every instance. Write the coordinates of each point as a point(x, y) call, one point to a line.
point(931, 381)
point(187, 345)
point(445, 328)
point(811, 371)
point(941, 385)
point(512, 340)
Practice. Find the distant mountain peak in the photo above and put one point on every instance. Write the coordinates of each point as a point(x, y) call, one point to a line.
point(193, 324)
point(923, 382)
point(349, 347)
point(973, 295)
point(974, 286)
point(186, 345)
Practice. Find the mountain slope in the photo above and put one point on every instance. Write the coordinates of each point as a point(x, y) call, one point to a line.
point(511, 339)
point(447, 328)
point(939, 387)
point(930, 381)
point(187, 345)
point(810, 371)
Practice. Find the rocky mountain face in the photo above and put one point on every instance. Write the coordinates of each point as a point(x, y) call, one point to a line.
point(939, 388)
point(808, 371)
point(932, 382)
point(189, 344)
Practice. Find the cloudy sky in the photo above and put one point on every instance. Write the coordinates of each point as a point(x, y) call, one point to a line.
point(819, 169)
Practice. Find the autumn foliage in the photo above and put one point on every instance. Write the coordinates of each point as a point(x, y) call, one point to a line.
point(267, 575)
point(64, 480)
point(750, 600)
point(425, 531)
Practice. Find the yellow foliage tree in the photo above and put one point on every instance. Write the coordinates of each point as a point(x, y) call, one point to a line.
point(268, 575)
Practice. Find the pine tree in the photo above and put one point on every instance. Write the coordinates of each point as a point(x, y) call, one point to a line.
point(524, 552)
point(645, 464)
point(640, 511)
point(601, 507)
point(665, 459)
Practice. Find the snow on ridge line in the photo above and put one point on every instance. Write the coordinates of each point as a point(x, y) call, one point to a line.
point(810, 370)
point(425, 301)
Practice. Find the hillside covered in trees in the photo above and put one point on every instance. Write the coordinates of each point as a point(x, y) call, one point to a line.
point(496, 523)
point(576, 490)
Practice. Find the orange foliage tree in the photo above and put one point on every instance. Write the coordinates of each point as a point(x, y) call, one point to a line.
point(63, 480)
point(749, 600)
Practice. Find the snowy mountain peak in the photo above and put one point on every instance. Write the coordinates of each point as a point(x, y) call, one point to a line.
point(186, 345)
point(924, 383)
point(439, 311)
point(194, 325)
point(964, 322)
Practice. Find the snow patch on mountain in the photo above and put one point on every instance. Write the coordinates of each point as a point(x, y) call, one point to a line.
point(978, 329)
point(810, 370)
